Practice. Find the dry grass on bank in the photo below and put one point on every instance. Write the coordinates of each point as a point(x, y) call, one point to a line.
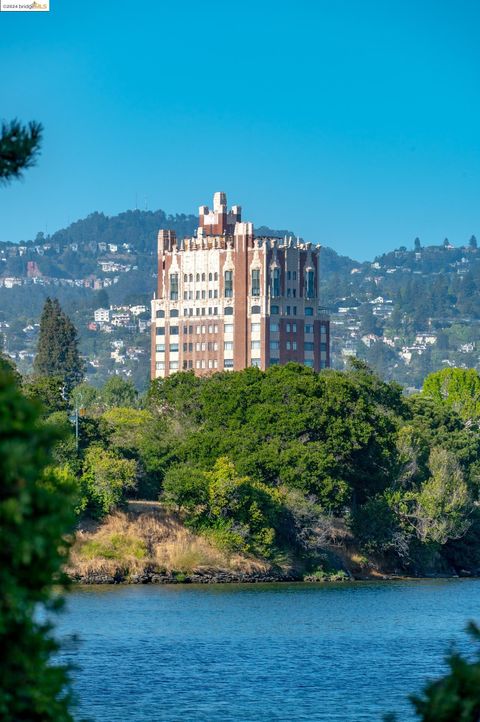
point(147, 536)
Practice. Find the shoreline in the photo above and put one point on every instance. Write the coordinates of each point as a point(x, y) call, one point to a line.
point(239, 578)
point(148, 544)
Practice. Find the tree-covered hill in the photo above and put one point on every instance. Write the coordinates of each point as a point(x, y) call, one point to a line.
point(288, 465)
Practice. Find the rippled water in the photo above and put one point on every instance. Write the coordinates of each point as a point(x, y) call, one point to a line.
point(261, 652)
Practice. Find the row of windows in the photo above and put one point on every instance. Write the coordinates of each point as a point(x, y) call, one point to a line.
point(290, 310)
point(199, 364)
point(188, 277)
point(202, 311)
point(201, 346)
point(228, 328)
point(228, 346)
point(292, 346)
point(211, 328)
point(307, 362)
point(290, 327)
point(254, 285)
point(309, 283)
point(228, 311)
point(189, 347)
point(228, 284)
point(200, 295)
point(227, 364)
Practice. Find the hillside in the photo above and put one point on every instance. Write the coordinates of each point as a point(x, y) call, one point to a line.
point(407, 312)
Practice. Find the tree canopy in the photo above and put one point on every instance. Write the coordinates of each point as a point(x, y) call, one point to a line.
point(57, 350)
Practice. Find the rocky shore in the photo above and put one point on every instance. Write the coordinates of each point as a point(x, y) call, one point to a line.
point(197, 577)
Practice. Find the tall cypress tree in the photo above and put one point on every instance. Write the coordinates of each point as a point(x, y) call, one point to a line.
point(57, 350)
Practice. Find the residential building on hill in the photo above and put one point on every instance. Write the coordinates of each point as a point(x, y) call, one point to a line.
point(227, 299)
point(101, 315)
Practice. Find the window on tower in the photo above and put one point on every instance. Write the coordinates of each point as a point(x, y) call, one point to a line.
point(174, 286)
point(310, 283)
point(256, 282)
point(275, 282)
point(228, 284)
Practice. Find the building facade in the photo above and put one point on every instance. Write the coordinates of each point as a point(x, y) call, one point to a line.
point(227, 299)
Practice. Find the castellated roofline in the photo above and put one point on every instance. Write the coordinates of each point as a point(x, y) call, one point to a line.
point(218, 228)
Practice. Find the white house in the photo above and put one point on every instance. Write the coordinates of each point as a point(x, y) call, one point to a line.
point(101, 315)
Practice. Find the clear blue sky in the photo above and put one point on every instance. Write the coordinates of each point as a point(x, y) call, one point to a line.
point(354, 123)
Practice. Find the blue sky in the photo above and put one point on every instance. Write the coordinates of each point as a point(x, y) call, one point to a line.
point(354, 123)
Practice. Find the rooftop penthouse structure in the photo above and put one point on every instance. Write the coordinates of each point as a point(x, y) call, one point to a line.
point(227, 299)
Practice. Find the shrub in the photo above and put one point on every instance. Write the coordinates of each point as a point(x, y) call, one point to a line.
point(106, 479)
point(185, 487)
point(322, 575)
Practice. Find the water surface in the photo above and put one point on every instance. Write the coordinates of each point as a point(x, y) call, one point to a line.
point(288, 652)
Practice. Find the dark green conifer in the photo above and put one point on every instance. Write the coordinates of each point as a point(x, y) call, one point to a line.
point(57, 350)
point(19, 146)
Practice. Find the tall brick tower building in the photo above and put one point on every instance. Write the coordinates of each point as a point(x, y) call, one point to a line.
point(227, 299)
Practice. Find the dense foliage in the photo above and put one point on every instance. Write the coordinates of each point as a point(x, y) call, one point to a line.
point(35, 514)
point(271, 462)
point(457, 388)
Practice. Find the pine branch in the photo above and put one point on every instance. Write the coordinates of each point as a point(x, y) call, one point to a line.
point(19, 147)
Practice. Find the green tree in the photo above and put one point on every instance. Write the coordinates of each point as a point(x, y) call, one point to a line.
point(127, 427)
point(101, 299)
point(8, 366)
point(35, 516)
point(376, 527)
point(84, 396)
point(106, 479)
point(442, 507)
point(57, 350)
point(185, 488)
point(118, 392)
point(240, 514)
point(47, 390)
point(369, 322)
point(456, 388)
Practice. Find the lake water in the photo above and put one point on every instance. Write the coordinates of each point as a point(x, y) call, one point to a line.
point(261, 652)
